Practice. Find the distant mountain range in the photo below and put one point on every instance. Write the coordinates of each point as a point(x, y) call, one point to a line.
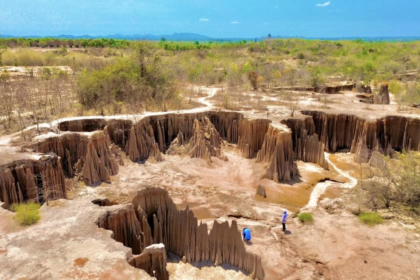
point(203, 38)
point(150, 37)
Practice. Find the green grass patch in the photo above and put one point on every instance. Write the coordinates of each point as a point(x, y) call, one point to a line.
point(306, 218)
point(371, 218)
point(27, 214)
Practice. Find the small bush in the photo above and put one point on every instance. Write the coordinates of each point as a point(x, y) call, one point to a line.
point(27, 214)
point(370, 218)
point(305, 218)
point(395, 87)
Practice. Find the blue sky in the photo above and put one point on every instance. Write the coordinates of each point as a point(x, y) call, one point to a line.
point(215, 18)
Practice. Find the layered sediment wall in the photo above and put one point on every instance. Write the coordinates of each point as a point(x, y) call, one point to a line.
point(251, 136)
point(153, 261)
point(32, 180)
point(90, 154)
point(95, 155)
point(153, 218)
point(154, 134)
point(277, 150)
point(306, 143)
point(361, 136)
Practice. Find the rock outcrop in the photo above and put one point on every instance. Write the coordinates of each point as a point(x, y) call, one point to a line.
point(261, 191)
point(383, 96)
point(205, 142)
point(153, 261)
point(164, 129)
point(153, 218)
point(70, 147)
point(361, 136)
point(306, 143)
point(365, 89)
point(277, 150)
point(32, 180)
point(251, 136)
point(87, 153)
point(99, 163)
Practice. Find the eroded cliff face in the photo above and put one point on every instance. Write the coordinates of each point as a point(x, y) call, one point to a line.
point(95, 155)
point(277, 150)
point(91, 155)
point(32, 180)
point(153, 135)
point(205, 142)
point(360, 136)
point(306, 143)
point(251, 136)
point(153, 218)
point(153, 261)
point(100, 163)
point(70, 147)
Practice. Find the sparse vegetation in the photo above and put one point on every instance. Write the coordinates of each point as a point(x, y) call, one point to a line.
point(118, 76)
point(305, 218)
point(370, 218)
point(27, 214)
point(392, 183)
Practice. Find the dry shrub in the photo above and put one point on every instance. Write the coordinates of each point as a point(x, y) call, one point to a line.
point(26, 214)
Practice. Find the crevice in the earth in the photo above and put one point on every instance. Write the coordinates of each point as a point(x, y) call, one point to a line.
point(241, 216)
point(82, 125)
point(104, 202)
point(331, 180)
point(152, 227)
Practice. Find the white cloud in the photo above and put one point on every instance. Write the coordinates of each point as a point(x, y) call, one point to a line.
point(324, 4)
point(203, 19)
point(235, 22)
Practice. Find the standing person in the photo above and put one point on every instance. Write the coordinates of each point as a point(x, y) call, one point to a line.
point(284, 219)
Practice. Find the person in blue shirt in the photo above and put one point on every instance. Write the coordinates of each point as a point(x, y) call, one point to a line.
point(246, 233)
point(284, 219)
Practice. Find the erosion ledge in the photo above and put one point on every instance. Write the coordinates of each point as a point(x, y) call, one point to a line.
point(92, 148)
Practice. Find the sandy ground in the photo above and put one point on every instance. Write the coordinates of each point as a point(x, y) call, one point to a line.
point(51, 248)
point(335, 246)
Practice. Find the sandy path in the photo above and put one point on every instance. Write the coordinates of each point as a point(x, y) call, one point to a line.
point(321, 187)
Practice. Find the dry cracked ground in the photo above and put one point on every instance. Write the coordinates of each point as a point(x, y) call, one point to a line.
point(68, 244)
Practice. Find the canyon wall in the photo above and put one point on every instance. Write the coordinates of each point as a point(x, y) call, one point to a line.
point(277, 150)
point(306, 143)
point(153, 218)
point(154, 134)
point(90, 154)
point(361, 136)
point(32, 180)
point(251, 136)
point(99, 162)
